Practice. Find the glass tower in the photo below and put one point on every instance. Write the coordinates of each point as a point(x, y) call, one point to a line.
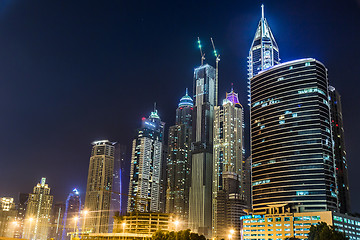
point(264, 52)
point(179, 161)
point(292, 152)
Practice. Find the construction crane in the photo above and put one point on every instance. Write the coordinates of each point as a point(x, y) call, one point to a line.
point(202, 54)
point(217, 56)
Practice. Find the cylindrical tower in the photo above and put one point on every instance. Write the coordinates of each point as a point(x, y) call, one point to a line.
point(292, 152)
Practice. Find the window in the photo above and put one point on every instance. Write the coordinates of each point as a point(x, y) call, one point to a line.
point(286, 219)
point(306, 218)
point(278, 219)
point(278, 225)
point(269, 219)
point(315, 218)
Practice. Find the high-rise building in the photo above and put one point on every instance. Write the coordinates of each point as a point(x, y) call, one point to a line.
point(118, 187)
point(37, 217)
point(71, 214)
point(179, 161)
point(228, 185)
point(56, 221)
point(146, 166)
point(8, 223)
point(200, 209)
point(292, 152)
point(339, 150)
point(21, 210)
point(264, 52)
point(99, 186)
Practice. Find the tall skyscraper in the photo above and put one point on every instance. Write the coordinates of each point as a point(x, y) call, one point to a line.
point(264, 52)
point(228, 185)
point(56, 221)
point(116, 198)
point(72, 212)
point(179, 161)
point(99, 185)
point(339, 150)
point(146, 165)
point(292, 152)
point(37, 217)
point(21, 210)
point(200, 210)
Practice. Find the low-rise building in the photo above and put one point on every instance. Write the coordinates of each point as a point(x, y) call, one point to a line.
point(288, 225)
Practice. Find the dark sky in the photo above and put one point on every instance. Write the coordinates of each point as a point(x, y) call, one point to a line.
point(73, 72)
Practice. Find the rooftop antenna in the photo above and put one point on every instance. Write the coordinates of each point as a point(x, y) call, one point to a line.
point(155, 107)
point(186, 91)
point(202, 54)
point(232, 87)
point(262, 11)
point(216, 72)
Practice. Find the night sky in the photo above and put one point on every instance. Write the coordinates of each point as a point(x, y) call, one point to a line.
point(73, 72)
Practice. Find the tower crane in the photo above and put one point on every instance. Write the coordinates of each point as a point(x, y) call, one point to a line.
point(217, 56)
point(202, 54)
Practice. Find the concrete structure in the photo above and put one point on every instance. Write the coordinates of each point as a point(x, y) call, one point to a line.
point(137, 225)
point(99, 185)
point(200, 210)
point(337, 127)
point(228, 166)
point(179, 161)
point(37, 217)
point(146, 166)
point(278, 226)
point(292, 152)
point(8, 214)
point(264, 52)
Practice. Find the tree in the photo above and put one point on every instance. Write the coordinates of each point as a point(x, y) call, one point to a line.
point(322, 231)
point(180, 235)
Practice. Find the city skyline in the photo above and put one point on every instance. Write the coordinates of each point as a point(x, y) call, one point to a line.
point(226, 75)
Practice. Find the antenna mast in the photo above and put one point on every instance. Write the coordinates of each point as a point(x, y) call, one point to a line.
point(216, 72)
point(202, 54)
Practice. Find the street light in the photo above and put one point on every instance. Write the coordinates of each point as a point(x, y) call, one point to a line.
point(85, 212)
point(176, 223)
point(123, 225)
point(232, 231)
point(31, 220)
point(75, 223)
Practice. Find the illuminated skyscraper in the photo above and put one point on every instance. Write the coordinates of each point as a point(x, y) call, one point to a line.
point(72, 212)
point(339, 150)
point(179, 161)
point(8, 223)
point(228, 185)
point(99, 185)
point(37, 217)
point(264, 52)
point(200, 210)
point(292, 151)
point(146, 166)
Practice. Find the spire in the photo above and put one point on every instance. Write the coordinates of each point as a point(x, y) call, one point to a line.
point(186, 92)
point(232, 97)
point(186, 101)
point(262, 11)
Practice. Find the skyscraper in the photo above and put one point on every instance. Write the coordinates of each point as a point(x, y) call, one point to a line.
point(200, 210)
point(8, 225)
point(56, 221)
point(99, 185)
point(228, 185)
point(264, 52)
point(72, 212)
point(37, 217)
point(116, 198)
point(179, 161)
point(292, 153)
point(146, 165)
point(337, 127)
point(21, 210)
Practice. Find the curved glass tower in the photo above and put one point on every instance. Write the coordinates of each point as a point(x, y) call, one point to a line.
point(292, 152)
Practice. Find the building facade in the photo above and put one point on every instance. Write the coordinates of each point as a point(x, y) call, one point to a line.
point(337, 127)
point(228, 186)
point(8, 220)
point(37, 216)
point(21, 210)
point(71, 214)
point(99, 186)
point(200, 210)
point(296, 225)
point(292, 152)
point(179, 161)
point(146, 166)
point(56, 221)
point(264, 51)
